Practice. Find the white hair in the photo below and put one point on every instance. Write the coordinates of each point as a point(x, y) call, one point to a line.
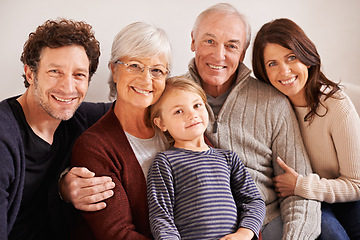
point(140, 40)
point(228, 9)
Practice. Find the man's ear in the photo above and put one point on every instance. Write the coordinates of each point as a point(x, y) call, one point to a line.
point(159, 124)
point(242, 56)
point(192, 42)
point(29, 74)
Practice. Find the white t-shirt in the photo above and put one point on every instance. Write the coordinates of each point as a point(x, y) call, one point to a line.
point(146, 149)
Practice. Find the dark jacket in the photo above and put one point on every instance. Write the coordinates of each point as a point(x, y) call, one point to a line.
point(12, 170)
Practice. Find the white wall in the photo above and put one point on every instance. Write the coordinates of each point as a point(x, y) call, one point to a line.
point(334, 26)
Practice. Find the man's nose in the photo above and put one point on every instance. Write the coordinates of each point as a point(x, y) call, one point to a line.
point(219, 52)
point(67, 83)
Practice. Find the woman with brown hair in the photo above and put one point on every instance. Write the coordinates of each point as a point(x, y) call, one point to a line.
point(286, 58)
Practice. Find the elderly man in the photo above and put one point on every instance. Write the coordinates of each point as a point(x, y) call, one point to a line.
point(251, 118)
point(39, 128)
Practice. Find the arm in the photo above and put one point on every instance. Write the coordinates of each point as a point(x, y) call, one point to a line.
point(251, 207)
point(341, 148)
point(116, 221)
point(9, 199)
point(12, 171)
point(298, 223)
point(79, 186)
point(161, 199)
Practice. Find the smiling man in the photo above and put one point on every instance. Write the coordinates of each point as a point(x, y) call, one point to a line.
point(56, 89)
point(251, 119)
point(39, 128)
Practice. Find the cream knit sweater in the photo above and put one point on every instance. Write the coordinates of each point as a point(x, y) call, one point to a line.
point(333, 145)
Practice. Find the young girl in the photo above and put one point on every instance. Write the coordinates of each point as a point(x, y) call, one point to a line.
point(196, 191)
point(285, 57)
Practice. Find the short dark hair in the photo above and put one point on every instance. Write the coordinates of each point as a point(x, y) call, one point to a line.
point(59, 33)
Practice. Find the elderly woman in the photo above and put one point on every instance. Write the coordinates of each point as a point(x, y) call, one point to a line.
point(121, 144)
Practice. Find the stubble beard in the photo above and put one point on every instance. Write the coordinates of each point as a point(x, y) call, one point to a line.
point(46, 106)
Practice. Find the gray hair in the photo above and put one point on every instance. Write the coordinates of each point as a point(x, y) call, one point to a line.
point(139, 40)
point(228, 9)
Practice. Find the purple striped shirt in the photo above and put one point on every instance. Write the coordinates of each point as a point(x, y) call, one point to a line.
point(201, 195)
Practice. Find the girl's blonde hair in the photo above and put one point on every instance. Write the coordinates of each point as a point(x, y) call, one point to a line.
point(174, 83)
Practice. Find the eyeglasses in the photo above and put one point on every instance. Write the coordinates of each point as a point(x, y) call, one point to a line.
point(138, 68)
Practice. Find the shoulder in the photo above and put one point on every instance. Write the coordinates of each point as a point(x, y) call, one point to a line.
point(178, 155)
point(164, 159)
point(11, 147)
point(266, 91)
point(339, 104)
point(221, 151)
point(87, 107)
point(88, 114)
point(228, 154)
point(259, 92)
point(262, 100)
point(104, 143)
point(338, 110)
point(106, 131)
point(170, 153)
point(8, 123)
point(5, 108)
point(91, 112)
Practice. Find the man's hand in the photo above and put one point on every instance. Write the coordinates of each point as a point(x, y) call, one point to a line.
point(85, 191)
point(286, 182)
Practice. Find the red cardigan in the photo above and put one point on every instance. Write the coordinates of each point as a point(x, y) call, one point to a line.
point(105, 150)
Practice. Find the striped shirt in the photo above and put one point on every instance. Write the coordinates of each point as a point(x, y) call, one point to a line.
point(201, 195)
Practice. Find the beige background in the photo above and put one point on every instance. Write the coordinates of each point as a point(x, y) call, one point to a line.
point(334, 26)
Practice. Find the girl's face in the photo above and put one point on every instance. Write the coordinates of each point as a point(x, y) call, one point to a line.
point(286, 72)
point(184, 115)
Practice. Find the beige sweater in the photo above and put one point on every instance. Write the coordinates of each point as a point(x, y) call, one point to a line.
point(333, 145)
